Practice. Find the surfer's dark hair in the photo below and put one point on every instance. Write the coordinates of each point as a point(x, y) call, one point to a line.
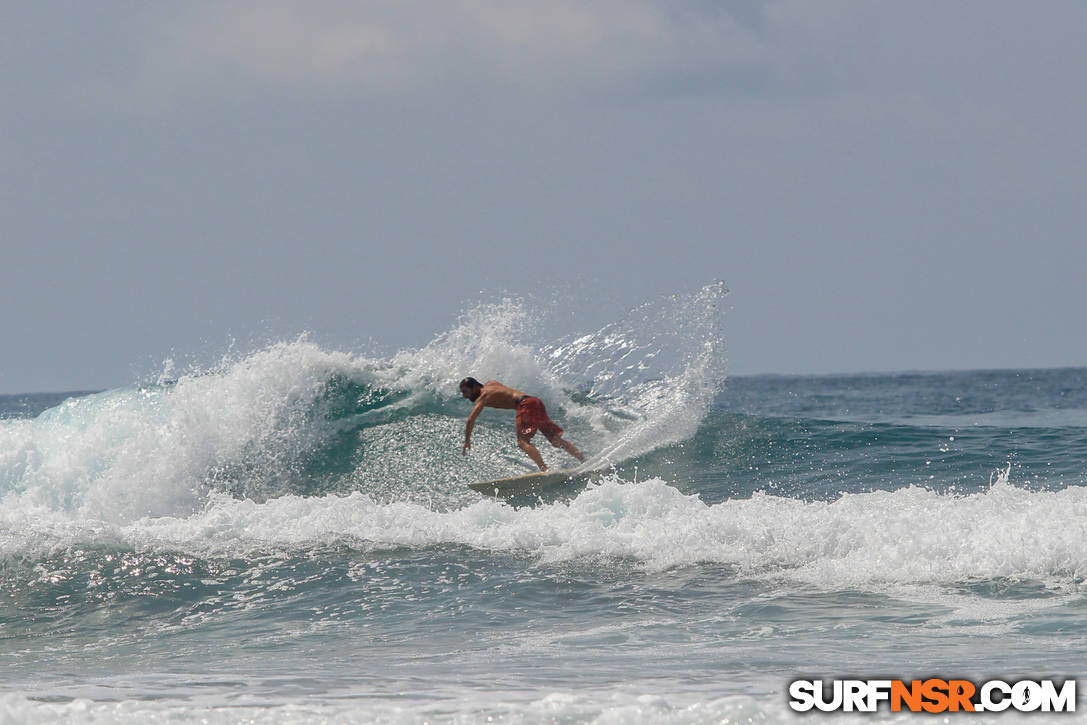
point(470, 382)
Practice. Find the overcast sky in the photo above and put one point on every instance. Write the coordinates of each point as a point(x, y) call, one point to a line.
point(881, 185)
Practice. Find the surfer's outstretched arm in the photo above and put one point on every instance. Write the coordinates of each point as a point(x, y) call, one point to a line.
point(469, 426)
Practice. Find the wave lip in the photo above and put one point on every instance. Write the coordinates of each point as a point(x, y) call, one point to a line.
point(155, 450)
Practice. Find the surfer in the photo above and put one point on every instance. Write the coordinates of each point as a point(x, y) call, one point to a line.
point(531, 417)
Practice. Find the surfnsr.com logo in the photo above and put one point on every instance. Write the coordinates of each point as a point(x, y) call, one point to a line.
point(933, 695)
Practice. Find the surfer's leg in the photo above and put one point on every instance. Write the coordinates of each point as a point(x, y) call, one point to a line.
point(560, 442)
point(524, 444)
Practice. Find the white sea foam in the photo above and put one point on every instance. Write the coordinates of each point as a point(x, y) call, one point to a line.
point(596, 708)
point(133, 452)
point(869, 541)
point(602, 708)
point(912, 535)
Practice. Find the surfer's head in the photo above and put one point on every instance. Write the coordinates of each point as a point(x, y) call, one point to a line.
point(470, 388)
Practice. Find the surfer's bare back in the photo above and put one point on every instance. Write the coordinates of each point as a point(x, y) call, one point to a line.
point(531, 417)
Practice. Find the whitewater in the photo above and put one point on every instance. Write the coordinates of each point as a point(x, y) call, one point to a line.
point(287, 536)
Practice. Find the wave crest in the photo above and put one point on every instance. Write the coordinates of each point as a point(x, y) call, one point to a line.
point(295, 419)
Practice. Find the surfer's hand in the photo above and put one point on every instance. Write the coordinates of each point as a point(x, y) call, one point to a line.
point(464, 450)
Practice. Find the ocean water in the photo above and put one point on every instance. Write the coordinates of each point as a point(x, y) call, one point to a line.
point(288, 537)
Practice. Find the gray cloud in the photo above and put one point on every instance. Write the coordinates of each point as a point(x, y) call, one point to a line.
point(392, 45)
point(881, 185)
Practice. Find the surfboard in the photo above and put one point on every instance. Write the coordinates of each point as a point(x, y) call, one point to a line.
point(529, 483)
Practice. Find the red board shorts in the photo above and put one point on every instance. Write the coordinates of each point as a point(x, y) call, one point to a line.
point(532, 416)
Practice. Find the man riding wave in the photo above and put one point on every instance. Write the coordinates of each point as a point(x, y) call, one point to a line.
point(531, 417)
